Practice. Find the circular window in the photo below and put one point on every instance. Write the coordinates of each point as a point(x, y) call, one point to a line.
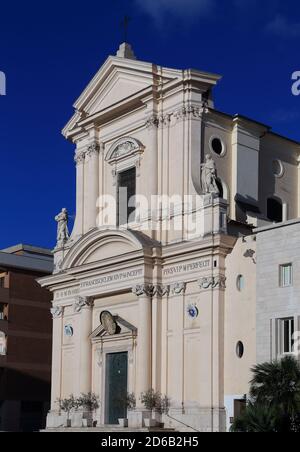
point(277, 168)
point(240, 349)
point(217, 146)
point(240, 283)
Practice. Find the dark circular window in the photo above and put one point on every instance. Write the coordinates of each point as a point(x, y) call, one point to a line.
point(240, 349)
point(217, 146)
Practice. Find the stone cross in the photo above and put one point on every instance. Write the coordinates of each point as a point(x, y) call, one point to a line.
point(125, 25)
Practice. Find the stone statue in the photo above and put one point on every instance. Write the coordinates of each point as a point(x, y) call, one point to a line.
point(209, 177)
point(62, 227)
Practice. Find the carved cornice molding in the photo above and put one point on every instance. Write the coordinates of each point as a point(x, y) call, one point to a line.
point(57, 312)
point(191, 111)
point(184, 112)
point(212, 282)
point(150, 290)
point(81, 303)
point(178, 288)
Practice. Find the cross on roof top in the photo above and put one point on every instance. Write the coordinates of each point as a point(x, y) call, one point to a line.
point(124, 26)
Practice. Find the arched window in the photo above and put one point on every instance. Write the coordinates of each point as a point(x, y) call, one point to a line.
point(274, 210)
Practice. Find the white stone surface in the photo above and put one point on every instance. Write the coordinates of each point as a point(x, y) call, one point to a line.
point(161, 121)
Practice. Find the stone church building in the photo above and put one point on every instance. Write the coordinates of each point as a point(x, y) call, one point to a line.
point(161, 295)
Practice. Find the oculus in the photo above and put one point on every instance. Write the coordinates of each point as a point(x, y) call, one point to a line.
point(217, 146)
point(240, 349)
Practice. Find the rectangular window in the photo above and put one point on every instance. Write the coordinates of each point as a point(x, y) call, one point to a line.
point(286, 275)
point(2, 343)
point(3, 311)
point(2, 282)
point(286, 330)
point(126, 194)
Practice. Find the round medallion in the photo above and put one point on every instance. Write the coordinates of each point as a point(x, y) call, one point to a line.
point(192, 311)
point(108, 322)
point(69, 332)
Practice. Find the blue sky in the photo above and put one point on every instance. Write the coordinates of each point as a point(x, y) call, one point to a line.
point(50, 51)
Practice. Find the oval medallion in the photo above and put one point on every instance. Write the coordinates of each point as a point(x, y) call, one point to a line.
point(108, 322)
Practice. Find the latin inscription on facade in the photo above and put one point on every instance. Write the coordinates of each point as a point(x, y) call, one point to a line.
point(122, 276)
point(185, 268)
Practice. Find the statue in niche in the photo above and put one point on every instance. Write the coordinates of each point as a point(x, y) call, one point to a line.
point(209, 177)
point(62, 227)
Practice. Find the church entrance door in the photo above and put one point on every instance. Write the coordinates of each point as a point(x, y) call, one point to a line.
point(116, 387)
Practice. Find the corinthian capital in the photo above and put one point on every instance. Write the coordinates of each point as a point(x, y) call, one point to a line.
point(56, 312)
point(213, 282)
point(81, 303)
point(161, 291)
point(143, 289)
point(93, 149)
point(178, 288)
point(79, 157)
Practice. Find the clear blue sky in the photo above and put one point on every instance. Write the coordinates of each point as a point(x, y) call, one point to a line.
point(50, 50)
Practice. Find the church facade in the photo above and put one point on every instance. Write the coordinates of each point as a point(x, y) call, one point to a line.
point(155, 288)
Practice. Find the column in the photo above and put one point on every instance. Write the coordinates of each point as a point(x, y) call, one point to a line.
point(84, 306)
point(57, 314)
point(78, 226)
point(99, 220)
point(93, 184)
point(143, 371)
point(213, 288)
point(158, 343)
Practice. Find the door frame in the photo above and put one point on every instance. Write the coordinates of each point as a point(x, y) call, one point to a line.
point(127, 346)
point(106, 398)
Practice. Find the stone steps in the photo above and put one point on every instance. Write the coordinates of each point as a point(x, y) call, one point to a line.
point(108, 429)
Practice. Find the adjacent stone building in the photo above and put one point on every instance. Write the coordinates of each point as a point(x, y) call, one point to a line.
point(278, 290)
point(162, 295)
point(25, 338)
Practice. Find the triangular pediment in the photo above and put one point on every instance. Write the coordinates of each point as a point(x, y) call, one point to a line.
point(117, 81)
point(124, 328)
point(120, 85)
point(123, 83)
